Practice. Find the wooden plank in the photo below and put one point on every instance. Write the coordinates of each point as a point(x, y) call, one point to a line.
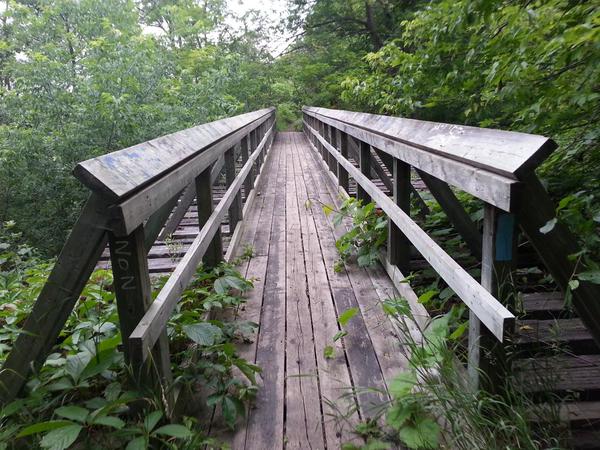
point(147, 332)
point(266, 429)
point(137, 208)
point(490, 187)
point(342, 174)
point(119, 174)
point(558, 373)
point(455, 212)
point(363, 361)
point(55, 303)
point(507, 153)
point(133, 292)
point(334, 376)
point(493, 314)
point(302, 395)
point(554, 249)
point(364, 154)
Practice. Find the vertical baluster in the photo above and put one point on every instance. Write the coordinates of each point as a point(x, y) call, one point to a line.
point(235, 210)
point(487, 361)
point(342, 173)
point(332, 140)
point(398, 244)
point(249, 181)
point(204, 199)
point(365, 168)
point(133, 292)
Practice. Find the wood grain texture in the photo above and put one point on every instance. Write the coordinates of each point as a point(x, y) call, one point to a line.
point(120, 174)
point(499, 190)
point(504, 152)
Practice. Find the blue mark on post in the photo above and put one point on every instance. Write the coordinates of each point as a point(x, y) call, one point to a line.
point(504, 237)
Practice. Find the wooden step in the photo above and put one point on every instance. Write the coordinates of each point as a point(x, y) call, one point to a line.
point(562, 373)
point(545, 305)
point(568, 333)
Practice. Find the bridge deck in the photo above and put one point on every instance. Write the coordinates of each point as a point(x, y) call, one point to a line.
point(305, 399)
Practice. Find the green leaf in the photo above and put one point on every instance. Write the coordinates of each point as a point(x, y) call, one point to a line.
point(339, 335)
point(423, 434)
point(329, 352)
point(139, 443)
point(61, 438)
point(427, 296)
point(549, 226)
point(398, 414)
point(203, 333)
point(345, 317)
point(232, 409)
point(174, 430)
point(593, 276)
point(76, 413)
point(403, 384)
point(152, 419)
point(109, 421)
point(573, 284)
point(328, 209)
point(44, 426)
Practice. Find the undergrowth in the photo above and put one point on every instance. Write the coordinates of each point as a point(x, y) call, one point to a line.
point(83, 395)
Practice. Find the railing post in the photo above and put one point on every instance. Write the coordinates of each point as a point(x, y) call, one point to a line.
point(398, 244)
point(253, 145)
point(365, 168)
point(332, 162)
point(249, 181)
point(204, 200)
point(235, 210)
point(324, 151)
point(133, 292)
point(342, 174)
point(487, 363)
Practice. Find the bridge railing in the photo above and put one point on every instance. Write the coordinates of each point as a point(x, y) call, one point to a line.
point(133, 193)
point(494, 166)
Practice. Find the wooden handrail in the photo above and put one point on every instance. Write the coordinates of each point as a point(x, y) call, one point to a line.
point(133, 193)
point(147, 332)
point(482, 162)
point(490, 311)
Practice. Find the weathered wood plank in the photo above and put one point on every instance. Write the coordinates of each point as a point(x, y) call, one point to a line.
point(398, 244)
point(491, 187)
point(504, 152)
point(302, 395)
point(120, 174)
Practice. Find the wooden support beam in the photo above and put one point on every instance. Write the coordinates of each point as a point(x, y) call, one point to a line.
point(214, 253)
point(455, 212)
point(365, 169)
point(333, 142)
point(235, 210)
point(342, 174)
point(487, 362)
point(55, 303)
point(554, 248)
point(133, 292)
point(398, 244)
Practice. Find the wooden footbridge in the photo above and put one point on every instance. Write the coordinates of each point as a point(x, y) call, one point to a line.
point(201, 194)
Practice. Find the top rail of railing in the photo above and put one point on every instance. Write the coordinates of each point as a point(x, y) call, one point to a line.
point(486, 163)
